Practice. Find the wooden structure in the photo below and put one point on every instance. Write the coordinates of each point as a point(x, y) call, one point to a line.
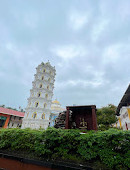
point(82, 117)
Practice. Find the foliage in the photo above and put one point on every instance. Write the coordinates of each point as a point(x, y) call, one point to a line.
point(106, 117)
point(2, 105)
point(109, 148)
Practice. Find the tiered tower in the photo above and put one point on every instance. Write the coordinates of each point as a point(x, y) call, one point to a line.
point(39, 103)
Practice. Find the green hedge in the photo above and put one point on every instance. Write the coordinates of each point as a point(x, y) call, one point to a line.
point(109, 148)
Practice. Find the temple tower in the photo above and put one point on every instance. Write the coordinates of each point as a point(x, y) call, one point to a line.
point(39, 103)
point(55, 110)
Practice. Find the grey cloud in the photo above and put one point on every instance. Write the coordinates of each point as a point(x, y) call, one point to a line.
point(90, 69)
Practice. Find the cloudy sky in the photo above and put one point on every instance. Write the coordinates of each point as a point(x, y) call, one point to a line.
point(88, 41)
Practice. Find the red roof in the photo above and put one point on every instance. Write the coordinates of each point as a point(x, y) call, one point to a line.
point(11, 112)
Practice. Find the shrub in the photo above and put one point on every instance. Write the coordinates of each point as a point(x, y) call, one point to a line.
point(109, 148)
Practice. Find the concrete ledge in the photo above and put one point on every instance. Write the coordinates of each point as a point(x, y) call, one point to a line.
point(48, 164)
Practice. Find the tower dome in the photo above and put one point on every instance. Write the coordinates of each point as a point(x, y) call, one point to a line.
point(55, 101)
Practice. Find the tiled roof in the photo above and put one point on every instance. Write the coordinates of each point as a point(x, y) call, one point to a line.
point(11, 112)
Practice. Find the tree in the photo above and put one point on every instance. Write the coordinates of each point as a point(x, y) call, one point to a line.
point(2, 106)
point(106, 116)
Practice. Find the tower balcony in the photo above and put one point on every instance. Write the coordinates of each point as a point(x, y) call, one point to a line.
point(45, 90)
point(45, 73)
point(39, 98)
point(37, 109)
point(42, 81)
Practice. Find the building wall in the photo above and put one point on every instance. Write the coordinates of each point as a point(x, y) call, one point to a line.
point(124, 118)
point(55, 110)
point(15, 122)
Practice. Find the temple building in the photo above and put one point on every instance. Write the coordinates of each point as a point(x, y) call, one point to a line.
point(123, 111)
point(10, 118)
point(37, 112)
point(124, 118)
point(55, 110)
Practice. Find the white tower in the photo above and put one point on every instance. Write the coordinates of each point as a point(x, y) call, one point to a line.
point(39, 103)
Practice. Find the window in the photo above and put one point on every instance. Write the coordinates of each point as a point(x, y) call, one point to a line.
point(46, 96)
point(43, 116)
point(48, 87)
point(17, 125)
point(40, 86)
point(42, 77)
point(45, 105)
point(49, 79)
point(27, 114)
point(14, 117)
point(34, 115)
point(36, 104)
point(44, 70)
point(125, 115)
point(39, 94)
point(12, 124)
point(19, 118)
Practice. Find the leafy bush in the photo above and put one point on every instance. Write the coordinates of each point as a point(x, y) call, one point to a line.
point(106, 117)
point(109, 148)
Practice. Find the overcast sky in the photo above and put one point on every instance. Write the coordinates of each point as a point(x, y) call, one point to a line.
point(88, 41)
